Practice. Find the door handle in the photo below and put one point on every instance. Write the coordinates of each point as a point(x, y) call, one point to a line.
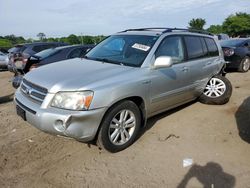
point(185, 69)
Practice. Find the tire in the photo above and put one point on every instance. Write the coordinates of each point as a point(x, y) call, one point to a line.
point(115, 136)
point(217, 92)
point(244, 65)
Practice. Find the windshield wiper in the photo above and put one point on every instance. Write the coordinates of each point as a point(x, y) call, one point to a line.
point(105, 60)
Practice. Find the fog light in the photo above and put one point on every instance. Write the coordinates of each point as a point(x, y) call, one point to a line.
point(59, 125)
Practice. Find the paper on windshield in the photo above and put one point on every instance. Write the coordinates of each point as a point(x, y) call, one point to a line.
point(141, 47)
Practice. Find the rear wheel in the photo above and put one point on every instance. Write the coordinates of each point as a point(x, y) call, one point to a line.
point(218, 91)
point(244, 65)
point(119, 127)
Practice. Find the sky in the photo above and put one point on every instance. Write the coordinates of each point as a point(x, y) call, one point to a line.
point(57, 18)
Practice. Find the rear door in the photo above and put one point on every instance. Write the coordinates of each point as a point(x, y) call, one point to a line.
point(197, 55)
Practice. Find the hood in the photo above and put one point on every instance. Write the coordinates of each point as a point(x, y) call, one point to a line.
point(73, 74)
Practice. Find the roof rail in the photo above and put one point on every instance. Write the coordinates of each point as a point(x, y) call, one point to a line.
point(144, 29)
point(165, 30)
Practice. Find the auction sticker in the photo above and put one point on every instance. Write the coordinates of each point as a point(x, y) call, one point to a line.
point(141, 47)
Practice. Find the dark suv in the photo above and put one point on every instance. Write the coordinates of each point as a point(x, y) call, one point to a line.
point(19, 54)
point(49, 56)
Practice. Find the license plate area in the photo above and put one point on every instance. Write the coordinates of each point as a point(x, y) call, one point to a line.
point(20, 112)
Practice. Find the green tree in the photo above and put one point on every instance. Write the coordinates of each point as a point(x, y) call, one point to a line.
point(5, 43)
point(41, 36)
point(237, 25)
point(73, 39)
point(14, 39)
point(215, 29)
point(51, 39)
point(87, 39)
point(197, 23)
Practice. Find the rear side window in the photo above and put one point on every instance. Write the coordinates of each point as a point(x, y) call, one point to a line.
point(75, 53)
point(194, 47)
point(212, 47)
point(171, 46)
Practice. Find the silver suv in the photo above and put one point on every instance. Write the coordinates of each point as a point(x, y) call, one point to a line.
point(130, 76)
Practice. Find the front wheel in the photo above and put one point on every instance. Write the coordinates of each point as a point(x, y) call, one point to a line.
point(119, 127)
point(218, 91)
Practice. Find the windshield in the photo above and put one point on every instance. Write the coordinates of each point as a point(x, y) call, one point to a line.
point(46, 53)
point(130, 50)
point(231, 43)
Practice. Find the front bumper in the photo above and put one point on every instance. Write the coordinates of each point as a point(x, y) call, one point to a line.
point(80, 125)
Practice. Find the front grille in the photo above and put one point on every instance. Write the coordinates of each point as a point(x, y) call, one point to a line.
point(33, 91)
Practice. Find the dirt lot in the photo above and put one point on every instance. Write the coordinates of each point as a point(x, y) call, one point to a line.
point(207, 134)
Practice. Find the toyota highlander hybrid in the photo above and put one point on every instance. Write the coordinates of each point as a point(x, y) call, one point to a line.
point(108, 95)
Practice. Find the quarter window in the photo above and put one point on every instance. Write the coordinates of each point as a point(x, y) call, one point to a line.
point(171, 46)
point(75, 53)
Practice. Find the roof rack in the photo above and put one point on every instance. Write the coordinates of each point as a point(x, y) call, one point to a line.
point(166, 30)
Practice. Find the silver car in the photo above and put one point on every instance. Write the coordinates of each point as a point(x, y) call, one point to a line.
point(109, 94)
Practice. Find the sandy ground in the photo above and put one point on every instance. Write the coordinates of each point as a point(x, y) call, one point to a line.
point(207, 134)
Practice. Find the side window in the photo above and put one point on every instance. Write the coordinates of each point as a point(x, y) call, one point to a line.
point(171, 46)
point(247, 44)
point(194, 47)
point(212, 47)
point(204, 46)
point(75, 53)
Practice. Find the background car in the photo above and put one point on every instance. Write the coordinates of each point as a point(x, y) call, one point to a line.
point(3, 61)
point(223, 36)
point(19, 54)
point(48, 56)
point(237, 53)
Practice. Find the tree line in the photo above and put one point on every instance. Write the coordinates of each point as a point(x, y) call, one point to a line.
point(234, 25)
point(9, 41)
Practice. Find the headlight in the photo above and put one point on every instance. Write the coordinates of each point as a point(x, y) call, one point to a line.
point(73, 100)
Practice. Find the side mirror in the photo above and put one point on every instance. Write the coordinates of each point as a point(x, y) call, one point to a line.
point(163, 62)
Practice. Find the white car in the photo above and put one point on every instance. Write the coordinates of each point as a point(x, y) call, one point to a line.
point(3, 61)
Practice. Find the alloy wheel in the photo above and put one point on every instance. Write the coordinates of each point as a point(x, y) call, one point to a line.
point(122, 127)
point(246, 64)
point(215, 88)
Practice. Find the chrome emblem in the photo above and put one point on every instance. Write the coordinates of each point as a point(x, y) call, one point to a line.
point(27, 90)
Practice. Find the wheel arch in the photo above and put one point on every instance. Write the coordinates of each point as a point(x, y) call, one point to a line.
point(139, 101)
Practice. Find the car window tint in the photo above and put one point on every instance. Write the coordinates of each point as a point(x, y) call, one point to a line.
point(194, 47)
point(40, 48)
point(171, 46)
point(204, 46)
point(75, 53)
point(212, 47)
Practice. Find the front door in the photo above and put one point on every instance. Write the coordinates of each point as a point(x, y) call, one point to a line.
point(169, 86)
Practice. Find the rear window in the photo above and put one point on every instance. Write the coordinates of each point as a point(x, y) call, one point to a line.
point(46, 53)
point(231, 43)
point(212, 47)
point(194, 47)
point(40, 48)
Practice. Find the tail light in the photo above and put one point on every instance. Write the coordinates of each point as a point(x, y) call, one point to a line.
point(228, 52)
point(33, 67)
